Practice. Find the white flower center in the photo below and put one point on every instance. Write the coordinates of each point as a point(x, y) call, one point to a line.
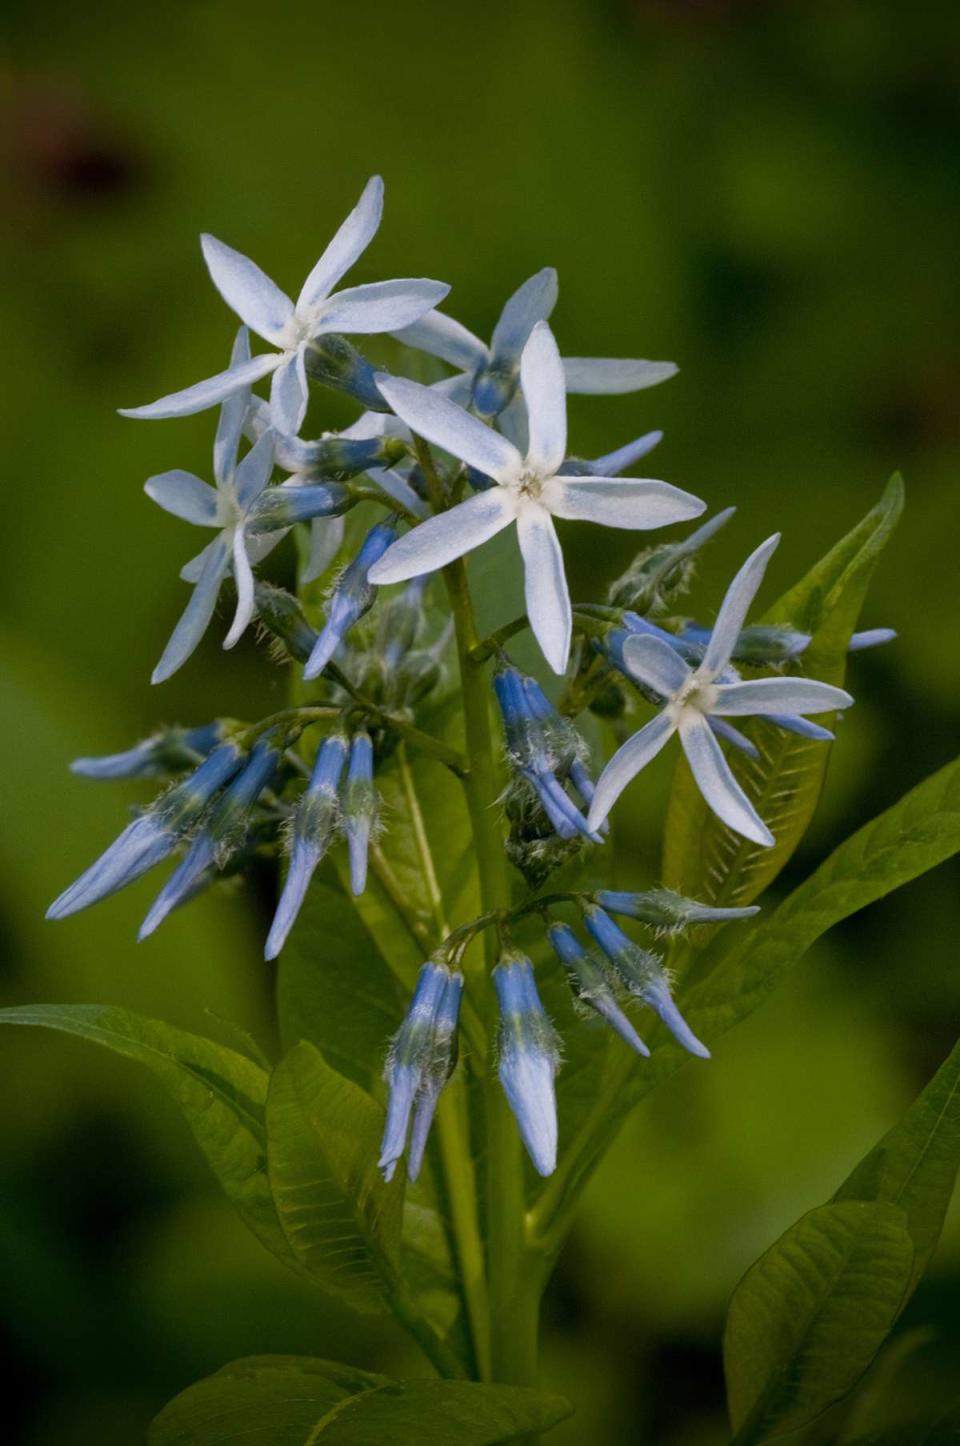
point(528, 486)
point(696, 693)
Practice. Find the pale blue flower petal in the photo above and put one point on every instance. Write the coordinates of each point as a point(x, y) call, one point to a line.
point(626, 502)
point(734, 608)
point(448, 535)
point(613, 463)
point(606, 377)
point(655, 663)
point(243, 577)
point(448, 426)
point(253, 473)
point(626, 763)
point(544, 584)
point(198, 612)
point(440, 336)
point(871, 638)
point(530, 303)
point(184, 495)
point(248, 290)
point(720, 789)
point(541, 381)
point(347, 246)
point(233, 413)
point(379, 306)
point(207, 393)
point(778, 695)
point(288, 394)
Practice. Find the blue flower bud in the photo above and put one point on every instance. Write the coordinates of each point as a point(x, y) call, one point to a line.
point(805, 727)
point(659, 574)
point(338, 459)
point(724, 729)
point(352, 596)
point(612, 463)
point(223, 830)
point(643, 976)
point(494, 387)
point(528, 1060)
point(591, 985)
point(419, 1063)
point(359, 808)
point(152, 836)
point(314, 825)
point(169, 750)
point(280, 507)
point(335, 362)
point(664, 909)
point(541, 744)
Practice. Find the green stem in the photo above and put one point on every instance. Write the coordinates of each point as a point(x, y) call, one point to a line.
point(425, 742)
point(437, 1352)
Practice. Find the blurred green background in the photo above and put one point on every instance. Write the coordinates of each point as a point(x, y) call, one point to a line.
point(766, 193)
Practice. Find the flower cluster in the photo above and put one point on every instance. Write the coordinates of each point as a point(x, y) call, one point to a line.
point(370, 666)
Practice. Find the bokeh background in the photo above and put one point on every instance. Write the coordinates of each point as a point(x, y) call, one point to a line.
point(765, 192)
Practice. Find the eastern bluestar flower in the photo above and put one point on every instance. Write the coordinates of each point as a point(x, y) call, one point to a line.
point(642, 975)
point(291, 328)
point(226, 507)
point(153, 835)
point(315, 822)
point(420, 1060)
point(490, 372)
point(531, 491)
point(528, 1057)
point(695, 697)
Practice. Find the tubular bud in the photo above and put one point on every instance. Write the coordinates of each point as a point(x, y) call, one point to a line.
point(280, 612)
point(169, 750)
point(642, 976)
point(663, 909)
point(358, 801)
point(315, 822)
point(352, 596)
point(528, 1061)
point(590, 984)
point(419, 1062)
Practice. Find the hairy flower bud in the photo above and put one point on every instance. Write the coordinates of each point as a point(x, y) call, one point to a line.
point(315, 823)
point(169, 750)
point(657, 575)
point(420, 1060)
point(663, 909)
point(528, 1060)
point(280, 507)
point(591, 985)
point(280, 612)
point(358, 802)
point(643, 976)
point(352, 596)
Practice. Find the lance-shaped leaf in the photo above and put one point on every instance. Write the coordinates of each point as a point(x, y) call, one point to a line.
point(296, 1401)
point(702, 857)
point(340, 1219)
point(806, 1321)
point(222, 1095)
point(915, 1165)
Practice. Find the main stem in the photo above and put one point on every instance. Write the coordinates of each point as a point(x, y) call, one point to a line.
point(513, 1315)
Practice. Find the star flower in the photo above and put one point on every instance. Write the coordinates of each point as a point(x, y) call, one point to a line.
point(531, 492)
point(225, 507)
point(290, 328)
point(491, 372)
point(694, 697)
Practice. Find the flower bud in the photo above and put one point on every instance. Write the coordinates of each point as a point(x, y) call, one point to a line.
point(420, 1060)
point(528, 1060)
point(358, 802)
point(222, 831)
point(280, 507)
point(169, 750)
point(335, 362)
point(152, 836)
point(590, 984)
point(659, 574)
point(663, 909)
point(314, 825)
point(352, 596)
point(280, 612)
point(643, 976)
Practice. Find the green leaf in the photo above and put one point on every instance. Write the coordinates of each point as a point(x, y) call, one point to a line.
point(915, 1164)
point(944, 1430)
point(341, 1220)
point(702, 857)
point(806, 1321)
point(295, 1401)
point(221, 1093)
